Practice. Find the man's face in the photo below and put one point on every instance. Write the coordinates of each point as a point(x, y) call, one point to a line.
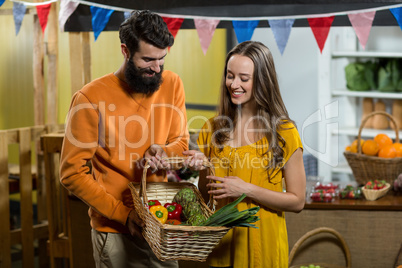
point(144, 70)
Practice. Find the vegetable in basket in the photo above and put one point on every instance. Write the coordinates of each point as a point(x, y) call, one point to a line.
point(174, 211)
point(230, 216)
point(152, 203)
point(173, 222)
point(192, 212)
point(185, 197)
point(160, 213)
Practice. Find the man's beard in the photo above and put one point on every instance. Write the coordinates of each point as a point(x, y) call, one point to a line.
point(138, 83)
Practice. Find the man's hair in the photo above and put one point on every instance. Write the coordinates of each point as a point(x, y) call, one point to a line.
point(146, 26)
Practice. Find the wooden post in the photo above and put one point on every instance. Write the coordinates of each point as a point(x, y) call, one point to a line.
point(27, 235)
point(52, 47)
point(5, 236)
point(38, 78)
point(86, 56)
point(80, 60)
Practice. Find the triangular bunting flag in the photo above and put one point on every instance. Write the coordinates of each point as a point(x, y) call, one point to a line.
point(397, 12)
point(19, 13)
point(173, 25)
point(362, 23)
point(244, 29)
point(43, 13)
point(2, 2)
point(100, 17)
point(320, 28)
point(281, 30)
point(67, 8)
point(205, 30)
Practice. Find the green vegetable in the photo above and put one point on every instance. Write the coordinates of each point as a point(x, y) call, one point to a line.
point(192, 209)
point(355, 74)
point(196, 219)
point(185, 197)
point(230, 216)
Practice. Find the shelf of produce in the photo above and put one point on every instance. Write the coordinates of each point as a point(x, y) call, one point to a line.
point(391, 202)
point(366, 132)
point(366, 94)
point(365, 54)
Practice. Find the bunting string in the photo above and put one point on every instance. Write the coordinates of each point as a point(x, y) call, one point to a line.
point(320, 24)
point(34, 4)
point(249, 18)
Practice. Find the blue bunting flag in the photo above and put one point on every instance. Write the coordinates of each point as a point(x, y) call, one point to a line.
point(244, 29)
point(100, 17)
point(19, 13)
point(397, 12)
point(281, 30)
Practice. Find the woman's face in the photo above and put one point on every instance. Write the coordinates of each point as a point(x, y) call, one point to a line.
point(239, 79)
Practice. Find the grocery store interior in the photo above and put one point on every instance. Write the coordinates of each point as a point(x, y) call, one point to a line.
point(340, 79)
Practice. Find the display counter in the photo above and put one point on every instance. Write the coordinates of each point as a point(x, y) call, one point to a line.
point(372, 230)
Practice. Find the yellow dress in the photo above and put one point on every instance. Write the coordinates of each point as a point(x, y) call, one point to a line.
point(243, 247)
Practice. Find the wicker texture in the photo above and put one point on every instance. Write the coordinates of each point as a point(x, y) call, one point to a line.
point(314, 233)
point(371, 194)
point(174, 242)
point(366, 168)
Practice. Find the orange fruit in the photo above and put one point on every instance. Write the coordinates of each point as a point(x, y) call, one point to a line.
point(370, 147)
point(347, 148)
point(353, 146)
point(383, 140)
point(398, 147)
point(387, 152)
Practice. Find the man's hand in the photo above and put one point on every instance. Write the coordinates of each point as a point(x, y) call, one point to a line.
point(154, 155)
point(134, 224)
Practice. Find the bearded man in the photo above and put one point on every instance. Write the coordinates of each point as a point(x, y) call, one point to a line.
point(116, 122)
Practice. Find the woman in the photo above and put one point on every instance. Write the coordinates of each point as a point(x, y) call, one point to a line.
point(255, 149)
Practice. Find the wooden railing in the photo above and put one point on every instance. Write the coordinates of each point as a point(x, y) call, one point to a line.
point(29, 232)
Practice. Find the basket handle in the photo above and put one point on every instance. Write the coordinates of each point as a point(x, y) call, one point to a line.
point(359, 148)
point(176, 163)
point(317, 231)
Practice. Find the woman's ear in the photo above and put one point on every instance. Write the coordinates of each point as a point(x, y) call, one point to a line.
point(124, 51)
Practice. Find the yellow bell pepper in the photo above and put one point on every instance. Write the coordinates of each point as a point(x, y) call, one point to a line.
point(160, 213)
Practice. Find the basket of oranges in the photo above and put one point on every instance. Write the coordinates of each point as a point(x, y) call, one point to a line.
point(379, 157)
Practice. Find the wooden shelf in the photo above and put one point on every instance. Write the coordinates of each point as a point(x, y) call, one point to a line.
point(366, 133)
point(366, 94)
point(365, 54)
point(342, 168)
point(391, 202)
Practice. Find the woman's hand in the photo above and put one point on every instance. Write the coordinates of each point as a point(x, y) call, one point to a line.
point(229, 186)
point(195, 160)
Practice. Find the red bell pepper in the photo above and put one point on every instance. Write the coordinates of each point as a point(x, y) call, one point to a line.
point(152, 203)
point(174, 211)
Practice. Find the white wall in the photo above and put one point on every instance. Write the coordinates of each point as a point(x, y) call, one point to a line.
point(297, 75)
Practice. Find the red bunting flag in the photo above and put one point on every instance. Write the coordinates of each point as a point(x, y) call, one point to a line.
point(320, 28)
point(43, 13)
point(173, 24)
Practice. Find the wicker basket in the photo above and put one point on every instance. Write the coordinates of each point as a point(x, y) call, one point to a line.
point(174, 242)
point(371, 194)
point(366, 168)
point(313, 233)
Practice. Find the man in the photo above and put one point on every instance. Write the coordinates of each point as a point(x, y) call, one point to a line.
point(115, 123)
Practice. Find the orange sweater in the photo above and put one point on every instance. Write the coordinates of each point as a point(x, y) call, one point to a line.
point(113, 130)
